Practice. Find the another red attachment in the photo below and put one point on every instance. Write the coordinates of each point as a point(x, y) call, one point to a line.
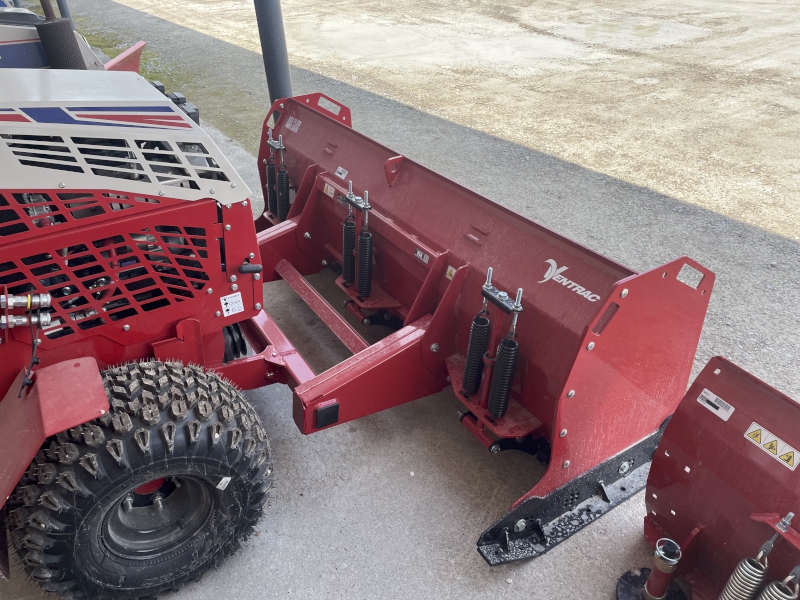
point(129, 60)
point(724, 475)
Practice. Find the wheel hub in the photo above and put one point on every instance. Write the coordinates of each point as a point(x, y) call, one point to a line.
point(158, 517)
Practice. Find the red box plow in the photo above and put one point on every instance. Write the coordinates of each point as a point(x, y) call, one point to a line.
point(560, 351)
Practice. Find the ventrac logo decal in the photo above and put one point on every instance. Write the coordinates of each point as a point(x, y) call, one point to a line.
point(554, 273)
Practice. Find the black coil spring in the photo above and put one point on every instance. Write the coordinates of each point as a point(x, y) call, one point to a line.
point(283, 193)
point(503, 377)
point(478, 344)
point(348, 251)
point(364, 264)
point(272, 195)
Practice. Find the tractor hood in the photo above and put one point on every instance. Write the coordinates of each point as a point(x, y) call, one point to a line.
point(85, 130)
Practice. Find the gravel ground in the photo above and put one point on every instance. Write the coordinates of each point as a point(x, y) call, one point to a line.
point(390, 506)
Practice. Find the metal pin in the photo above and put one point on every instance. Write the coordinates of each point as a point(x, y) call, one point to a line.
point(350, 196)
point(785, 522)
point(280, 142)
point(366, 211)
point(517, 309)
point(487, 286)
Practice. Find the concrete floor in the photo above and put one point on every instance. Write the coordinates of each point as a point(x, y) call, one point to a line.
point(391, 506)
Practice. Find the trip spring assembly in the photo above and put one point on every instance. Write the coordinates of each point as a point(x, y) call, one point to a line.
point(505, 366)
point(279, 179)
point(781, 590)
point(282, 184)
point(749, 575)
point(365, 253)
point(478, 344)
point(747, 578)
point(272, 196)
point(348, 248)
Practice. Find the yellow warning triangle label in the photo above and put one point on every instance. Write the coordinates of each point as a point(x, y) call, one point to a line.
point(755, 435)
point(788, 458)
point(772, 446)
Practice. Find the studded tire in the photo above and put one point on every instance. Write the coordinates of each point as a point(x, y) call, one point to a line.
point(150, 496)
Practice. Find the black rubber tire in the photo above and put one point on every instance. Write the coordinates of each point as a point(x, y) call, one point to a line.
point(166, 421)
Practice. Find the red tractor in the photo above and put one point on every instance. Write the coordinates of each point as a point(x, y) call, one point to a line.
point(131, 313)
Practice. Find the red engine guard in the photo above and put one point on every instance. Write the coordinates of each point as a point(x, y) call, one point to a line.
point(718, 492)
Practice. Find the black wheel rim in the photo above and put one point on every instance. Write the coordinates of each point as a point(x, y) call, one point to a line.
point(145, 526)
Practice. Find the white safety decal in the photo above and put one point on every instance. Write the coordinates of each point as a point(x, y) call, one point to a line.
point(293, 124)
point(232, 304)
point(451, 272)
point(329, 190)
point(341, 172)
point(715, 404)
point(772, 445)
